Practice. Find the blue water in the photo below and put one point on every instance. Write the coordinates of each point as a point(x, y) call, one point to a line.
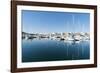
point(54, 50)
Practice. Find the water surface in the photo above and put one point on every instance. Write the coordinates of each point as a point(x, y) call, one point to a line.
point(54, 50)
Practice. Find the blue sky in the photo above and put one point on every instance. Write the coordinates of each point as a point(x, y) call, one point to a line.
point(49, 21)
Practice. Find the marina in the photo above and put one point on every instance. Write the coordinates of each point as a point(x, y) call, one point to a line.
point(55, 47)
point(55, 36)
point(58, 36)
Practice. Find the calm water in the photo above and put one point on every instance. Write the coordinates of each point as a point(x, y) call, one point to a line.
point(53, 50)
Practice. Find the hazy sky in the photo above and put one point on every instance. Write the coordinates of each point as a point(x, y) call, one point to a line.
point(49, 21)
